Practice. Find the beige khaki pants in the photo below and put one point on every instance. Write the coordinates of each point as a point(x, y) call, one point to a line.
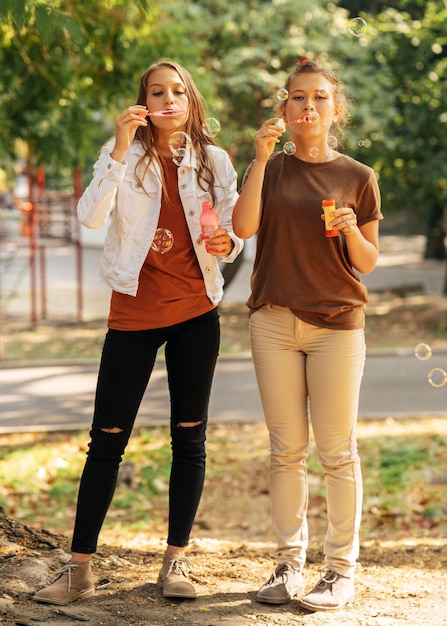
point(303, 372)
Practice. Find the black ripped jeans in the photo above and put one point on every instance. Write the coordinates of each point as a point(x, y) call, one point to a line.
point(128, 357)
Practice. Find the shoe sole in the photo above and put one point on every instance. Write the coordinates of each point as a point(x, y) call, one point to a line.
point(190, 596)
point(84, 595)
point(274, 601)
point(180, 595)
point(298, 592)
point(314, 607)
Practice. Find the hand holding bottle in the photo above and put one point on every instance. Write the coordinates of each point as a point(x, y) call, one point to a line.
point(343, 219)
point(217, 240)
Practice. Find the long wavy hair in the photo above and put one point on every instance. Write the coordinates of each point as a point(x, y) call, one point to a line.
point(194, 128)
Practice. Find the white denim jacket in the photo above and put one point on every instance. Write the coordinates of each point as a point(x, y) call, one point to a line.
point(133, 211)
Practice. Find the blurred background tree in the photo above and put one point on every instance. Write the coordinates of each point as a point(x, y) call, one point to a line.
point(69, 68)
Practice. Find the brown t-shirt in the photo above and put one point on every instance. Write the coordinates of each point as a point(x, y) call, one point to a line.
point(171, 288)
point(296, 265)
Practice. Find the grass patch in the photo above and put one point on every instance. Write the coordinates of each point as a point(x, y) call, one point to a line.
point(39, 476)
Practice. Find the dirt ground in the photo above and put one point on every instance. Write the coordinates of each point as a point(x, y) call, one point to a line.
point(401, 581)
point(401, 577)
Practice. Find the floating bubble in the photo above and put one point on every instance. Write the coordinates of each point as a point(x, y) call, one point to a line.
point(357, 27)
point(423, 351)
point(437, 377)
point(314, 152)
point(332, 142)
point(212, 127)
point(361, 143)
point(282, 94)
point(163, 240)
point(289, 148)
point(179, 143)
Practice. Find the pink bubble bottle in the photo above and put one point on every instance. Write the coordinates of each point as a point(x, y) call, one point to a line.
point(209, 220)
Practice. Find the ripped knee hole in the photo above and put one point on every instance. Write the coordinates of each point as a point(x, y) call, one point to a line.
point(113, 430)
point(116, 430)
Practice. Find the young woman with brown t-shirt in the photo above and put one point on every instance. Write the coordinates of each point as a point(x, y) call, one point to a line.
point(307, 325)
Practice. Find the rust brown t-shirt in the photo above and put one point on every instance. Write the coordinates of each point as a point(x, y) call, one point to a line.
point(296, 265)
point(171, 288)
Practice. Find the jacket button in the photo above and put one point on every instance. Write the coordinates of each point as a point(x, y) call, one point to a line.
point(191, 213)
point(183, 186)
point(182, 170)
point(207, 270)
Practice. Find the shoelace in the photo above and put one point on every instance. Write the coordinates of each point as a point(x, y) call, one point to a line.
point(180, 566)
point(282, 570)
point(327, 578)
point(66, 570)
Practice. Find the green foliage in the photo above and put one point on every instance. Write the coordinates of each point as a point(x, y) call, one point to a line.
point(60, 73)
point(66, 74)
point(414, 56)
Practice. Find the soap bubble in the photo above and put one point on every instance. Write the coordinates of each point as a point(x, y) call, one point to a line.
point(289, 148)
point(423, 351)
point(332, 142)
point(163, 240)
point(357, 27)
point(212, 127)
point(282, 94)
point(437, 377)
point(179, 143)
point(314, 152)
point(361, 143)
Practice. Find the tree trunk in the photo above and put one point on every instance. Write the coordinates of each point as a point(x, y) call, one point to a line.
point(435, 246)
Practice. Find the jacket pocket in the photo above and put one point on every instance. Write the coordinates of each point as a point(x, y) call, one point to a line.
point(133, 198)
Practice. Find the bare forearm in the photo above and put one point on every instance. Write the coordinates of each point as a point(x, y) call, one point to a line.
point(248, 209)
point(363, 252)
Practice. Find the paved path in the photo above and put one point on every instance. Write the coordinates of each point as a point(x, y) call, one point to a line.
point(60, 396)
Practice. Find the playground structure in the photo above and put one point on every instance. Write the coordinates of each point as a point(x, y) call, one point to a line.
point(49, 262)
point(28, 227)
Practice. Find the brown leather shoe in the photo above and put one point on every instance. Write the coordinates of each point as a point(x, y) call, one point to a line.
point(173, 577)
point(73, 582)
